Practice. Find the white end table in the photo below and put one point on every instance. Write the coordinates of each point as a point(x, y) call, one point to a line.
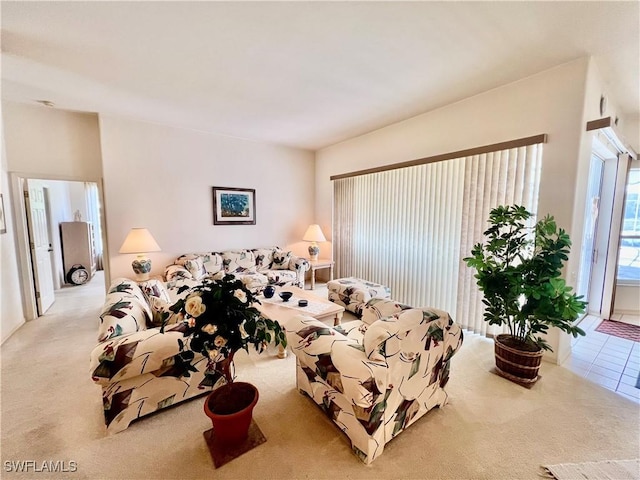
point(319, 265)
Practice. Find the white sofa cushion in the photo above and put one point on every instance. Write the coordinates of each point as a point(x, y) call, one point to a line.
point(240, 261)
point(264, 258)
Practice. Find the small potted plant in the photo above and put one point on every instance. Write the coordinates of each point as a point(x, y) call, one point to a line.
point(219, 319)
point(519, 268)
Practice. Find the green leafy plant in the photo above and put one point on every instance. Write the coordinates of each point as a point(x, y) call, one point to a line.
point(219, 318)
point(519, 271)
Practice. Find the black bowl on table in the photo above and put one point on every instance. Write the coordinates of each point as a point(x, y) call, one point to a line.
point(285, 296)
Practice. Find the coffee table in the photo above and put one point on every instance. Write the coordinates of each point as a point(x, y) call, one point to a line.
point(318, 308)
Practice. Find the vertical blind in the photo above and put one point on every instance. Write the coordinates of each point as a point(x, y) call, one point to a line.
point(409, 228)
point(492, 179)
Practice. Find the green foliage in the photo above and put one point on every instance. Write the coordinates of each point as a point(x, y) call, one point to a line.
point(519, 268)
point(220, 318)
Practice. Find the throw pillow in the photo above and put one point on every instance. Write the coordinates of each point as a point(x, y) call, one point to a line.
point(176, 272)
point(239, 261)
point(212, 262)
point(281, 260)
point(154, 288)
point(195, 266)
point(264, 258)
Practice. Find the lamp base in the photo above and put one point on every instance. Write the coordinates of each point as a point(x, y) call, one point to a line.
point(142, 277)
point(314, 250)
point(141, 267)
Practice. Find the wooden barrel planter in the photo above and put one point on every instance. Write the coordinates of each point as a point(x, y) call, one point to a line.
point(517, 361)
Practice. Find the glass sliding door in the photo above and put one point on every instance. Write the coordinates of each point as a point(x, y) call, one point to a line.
point(591, 213)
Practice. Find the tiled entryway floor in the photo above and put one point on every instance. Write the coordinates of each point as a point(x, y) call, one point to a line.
point(612, 362)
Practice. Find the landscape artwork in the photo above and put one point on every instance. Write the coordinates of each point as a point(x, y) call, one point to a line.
point(234, 206)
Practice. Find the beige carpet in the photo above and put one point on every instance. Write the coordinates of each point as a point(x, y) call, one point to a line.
point(491, 429)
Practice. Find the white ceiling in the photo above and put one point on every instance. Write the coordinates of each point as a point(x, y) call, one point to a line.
point(304, 74)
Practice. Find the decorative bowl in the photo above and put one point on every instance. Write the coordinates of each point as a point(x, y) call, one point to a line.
point(269, 291)
point(285, 296)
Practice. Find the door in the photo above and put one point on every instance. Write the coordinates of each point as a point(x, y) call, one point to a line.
point(617, 211)
point(37, 224)
point(588, 257)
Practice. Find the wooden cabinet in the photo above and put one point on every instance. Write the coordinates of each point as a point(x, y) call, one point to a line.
point(78, 246)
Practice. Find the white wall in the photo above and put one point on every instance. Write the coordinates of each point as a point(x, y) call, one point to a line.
point(631, 132)
point(550, 102)
point(11, 311)
point(78, 201)
point(160, 178)
point(627, 300)
point(43, 143)
point(52, 143)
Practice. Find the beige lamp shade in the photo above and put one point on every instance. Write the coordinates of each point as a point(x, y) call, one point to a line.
point(313, 235)
point(140, 241)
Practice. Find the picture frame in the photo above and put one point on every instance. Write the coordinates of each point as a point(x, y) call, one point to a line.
point(3, 218)
point(234, 206)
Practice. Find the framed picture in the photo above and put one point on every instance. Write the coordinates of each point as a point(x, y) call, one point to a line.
point(3, 219)
point(234, 206)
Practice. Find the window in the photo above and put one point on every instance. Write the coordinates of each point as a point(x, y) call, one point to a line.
point(409, 227)
point(629, 255)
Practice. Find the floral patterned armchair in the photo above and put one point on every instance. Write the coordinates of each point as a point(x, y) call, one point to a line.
point(375, 379)
point(139, 369)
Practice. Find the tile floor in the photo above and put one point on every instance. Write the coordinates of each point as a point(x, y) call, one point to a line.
point(612, 362)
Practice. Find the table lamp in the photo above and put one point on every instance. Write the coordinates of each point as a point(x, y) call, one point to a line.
point(314, 235)
point(140, 242)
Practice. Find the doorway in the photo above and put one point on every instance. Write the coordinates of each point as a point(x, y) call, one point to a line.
point(588, 257)
point(604, 209)
point(64, 200)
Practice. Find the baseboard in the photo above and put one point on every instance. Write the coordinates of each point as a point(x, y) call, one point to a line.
point(626, 312)
point(14, 330)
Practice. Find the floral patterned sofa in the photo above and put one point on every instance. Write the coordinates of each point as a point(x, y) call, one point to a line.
point(256, 267)
point(376, 376)
point(139, 369)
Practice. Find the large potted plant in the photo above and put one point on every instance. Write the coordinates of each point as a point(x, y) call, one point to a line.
point(519, 268)
point(220, 318)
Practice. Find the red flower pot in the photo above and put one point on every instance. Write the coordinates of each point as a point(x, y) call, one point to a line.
point(230, 408)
